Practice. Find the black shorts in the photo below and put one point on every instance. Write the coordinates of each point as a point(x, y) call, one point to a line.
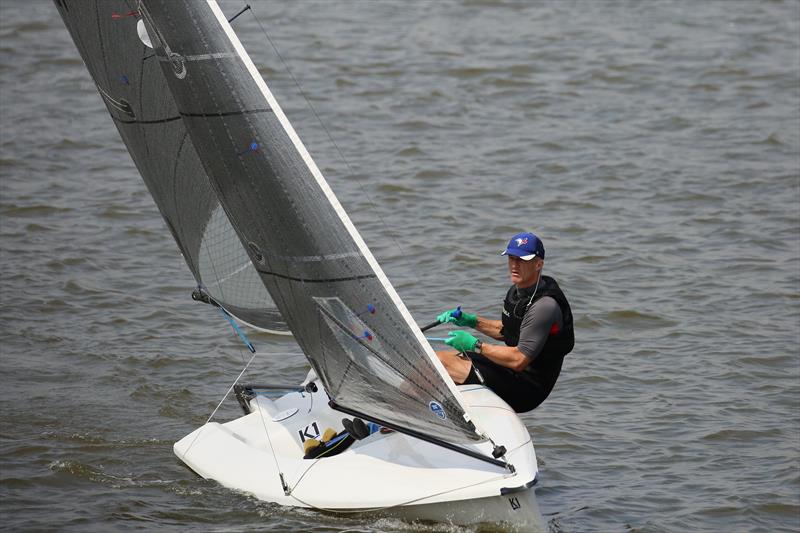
point(521, 390)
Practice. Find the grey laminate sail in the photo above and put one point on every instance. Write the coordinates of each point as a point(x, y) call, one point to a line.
point(344, 313)
point(129, 79)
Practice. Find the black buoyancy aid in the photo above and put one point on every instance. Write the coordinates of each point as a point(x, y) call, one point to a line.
point(560, 342)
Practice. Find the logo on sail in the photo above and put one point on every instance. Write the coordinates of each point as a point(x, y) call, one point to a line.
point(437, 409)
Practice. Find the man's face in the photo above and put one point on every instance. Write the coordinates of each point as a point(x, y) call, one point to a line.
point(524, 273)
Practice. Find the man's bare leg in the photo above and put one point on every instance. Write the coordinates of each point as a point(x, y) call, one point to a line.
point(456, 364)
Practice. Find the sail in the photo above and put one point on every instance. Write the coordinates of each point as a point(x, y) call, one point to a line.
point(344, 313)
point(129, 78)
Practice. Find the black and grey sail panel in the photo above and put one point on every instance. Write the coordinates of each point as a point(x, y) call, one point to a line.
point(129, 78)
point(342, 310)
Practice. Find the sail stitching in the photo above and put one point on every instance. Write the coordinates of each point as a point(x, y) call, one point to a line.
point(239, 269)
point(153, 121)
point(312, 280)
point(227, 113)
point(314, 258)
point(205, 57)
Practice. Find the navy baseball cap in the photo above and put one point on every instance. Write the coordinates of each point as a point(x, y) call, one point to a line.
point(526, 246)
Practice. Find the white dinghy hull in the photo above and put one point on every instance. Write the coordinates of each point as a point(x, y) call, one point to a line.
point(385, 474)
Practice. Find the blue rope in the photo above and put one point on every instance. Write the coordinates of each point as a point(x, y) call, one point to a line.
point(236, 328)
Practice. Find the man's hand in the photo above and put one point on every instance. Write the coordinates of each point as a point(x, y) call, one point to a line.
point(461, 341)
point(459, 318)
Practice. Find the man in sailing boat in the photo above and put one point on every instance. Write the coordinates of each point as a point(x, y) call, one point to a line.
point(536, 328)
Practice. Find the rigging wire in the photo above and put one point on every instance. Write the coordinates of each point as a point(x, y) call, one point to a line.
point(218, 280)
point(286, 488)
point(221, 401)
point(250, 346)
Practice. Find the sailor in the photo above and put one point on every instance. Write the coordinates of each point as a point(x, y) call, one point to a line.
point(536, 328)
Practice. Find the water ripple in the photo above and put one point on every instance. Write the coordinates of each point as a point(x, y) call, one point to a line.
point(654, 147)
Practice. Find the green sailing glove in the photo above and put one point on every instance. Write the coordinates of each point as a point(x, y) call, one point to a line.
point(461, 341)
point(458, 317)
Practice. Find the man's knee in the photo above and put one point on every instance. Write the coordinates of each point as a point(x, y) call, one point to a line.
point(457, 367)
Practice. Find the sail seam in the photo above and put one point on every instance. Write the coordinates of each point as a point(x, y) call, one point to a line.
point(190, 115)
point(226, 113)
point(314, 258)
point(311, 280)
point(155, 121)
point(238, 270)
point(203, 57)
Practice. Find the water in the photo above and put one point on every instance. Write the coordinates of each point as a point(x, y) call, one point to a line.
point(654, 146)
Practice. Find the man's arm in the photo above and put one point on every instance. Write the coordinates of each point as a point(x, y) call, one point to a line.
point(507, 356)
point(533, 336)
point(490, 328)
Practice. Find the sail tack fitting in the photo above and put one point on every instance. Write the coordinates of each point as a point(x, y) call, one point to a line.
point(199, 295)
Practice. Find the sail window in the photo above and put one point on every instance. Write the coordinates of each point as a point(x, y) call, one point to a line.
point(143, 35)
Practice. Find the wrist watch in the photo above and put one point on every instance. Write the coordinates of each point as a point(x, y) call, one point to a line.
point(478, 346)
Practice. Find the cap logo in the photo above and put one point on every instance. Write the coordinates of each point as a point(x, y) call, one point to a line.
point(520, 242)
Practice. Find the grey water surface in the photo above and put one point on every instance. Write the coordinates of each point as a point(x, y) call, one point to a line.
point(654, 146)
